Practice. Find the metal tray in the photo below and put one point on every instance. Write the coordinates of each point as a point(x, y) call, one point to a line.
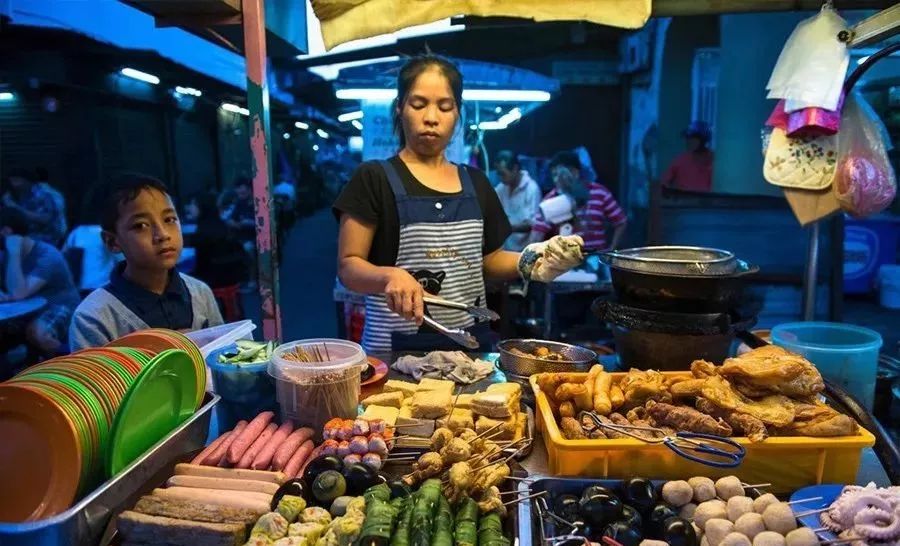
point(86, 522)
point(417, 446)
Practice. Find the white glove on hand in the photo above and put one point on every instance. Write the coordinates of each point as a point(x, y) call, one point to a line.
point(545, 261)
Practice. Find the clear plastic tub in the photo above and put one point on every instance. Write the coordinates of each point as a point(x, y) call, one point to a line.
point(843, 353)
point(313, 392)
point(212, 339)
point(245, 383)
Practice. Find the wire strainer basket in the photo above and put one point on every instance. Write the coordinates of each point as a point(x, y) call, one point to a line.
point(673, 260)
point(576, 359)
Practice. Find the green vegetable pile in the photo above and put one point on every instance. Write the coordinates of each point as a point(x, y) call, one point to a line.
point(248, 352)
point(425, 518)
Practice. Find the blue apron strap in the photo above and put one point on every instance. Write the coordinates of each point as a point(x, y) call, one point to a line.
point(393, 179)
point(468, 188)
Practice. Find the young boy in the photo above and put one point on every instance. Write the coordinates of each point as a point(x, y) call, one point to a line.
point(144, 291)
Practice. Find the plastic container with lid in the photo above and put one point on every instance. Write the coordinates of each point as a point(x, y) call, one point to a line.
point(843, 353)
point(214, 338)
point(312, 393)
point(244, 383)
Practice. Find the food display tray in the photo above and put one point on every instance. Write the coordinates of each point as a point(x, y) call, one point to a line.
point(532, 529)
point(512, 524)
point(417, 445)
point(86, 522)
point(788, 462)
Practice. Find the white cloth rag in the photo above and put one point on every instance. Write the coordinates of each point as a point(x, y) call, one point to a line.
point(456, 366)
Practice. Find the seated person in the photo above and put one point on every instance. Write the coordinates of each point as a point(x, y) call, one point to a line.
point(144, 291)
point(31, 268)
point(593, 207)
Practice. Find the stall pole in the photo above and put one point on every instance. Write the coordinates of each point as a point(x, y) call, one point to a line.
point(812, 270)
point(254, 21)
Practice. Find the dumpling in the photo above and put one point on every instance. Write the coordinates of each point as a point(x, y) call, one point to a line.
point(291, 541)
point(310, 531)
point(259, 540)
point(290, 507)
point(272, 525)
point(314, 514)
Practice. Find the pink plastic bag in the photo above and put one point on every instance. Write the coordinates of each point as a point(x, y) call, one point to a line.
point(864, 182)
point(806, 122)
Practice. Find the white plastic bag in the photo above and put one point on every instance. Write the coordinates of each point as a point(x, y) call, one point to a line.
point(864, 182)
point(811, 68)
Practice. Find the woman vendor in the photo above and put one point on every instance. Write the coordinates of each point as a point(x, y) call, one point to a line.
point(417, 223)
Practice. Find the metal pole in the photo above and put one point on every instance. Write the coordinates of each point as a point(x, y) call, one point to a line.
point(812, 268)
point(254, 21)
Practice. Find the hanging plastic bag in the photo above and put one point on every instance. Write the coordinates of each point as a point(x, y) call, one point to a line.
point(864, 182)
point(811, 68)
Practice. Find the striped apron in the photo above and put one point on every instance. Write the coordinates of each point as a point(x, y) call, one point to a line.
point(441, 241)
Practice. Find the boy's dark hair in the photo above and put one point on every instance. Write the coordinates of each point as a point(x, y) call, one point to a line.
point(243, 181)
point(508, 158)
point(13, 220)
point(566, 159)
point(124, 189)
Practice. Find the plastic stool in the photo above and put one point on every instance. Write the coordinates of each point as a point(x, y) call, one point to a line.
point(230, 299)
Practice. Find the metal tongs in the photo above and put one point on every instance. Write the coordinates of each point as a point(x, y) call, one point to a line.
point(477, 312)
point(708, 449)
point(458, 335)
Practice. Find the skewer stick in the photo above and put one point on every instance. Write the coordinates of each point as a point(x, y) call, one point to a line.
point(800, 501)
point(502, 461)
point(811, 512)
point(453, 407)
point(488, 431)
point(757, 485)
point(520, 499)
point(516, 479)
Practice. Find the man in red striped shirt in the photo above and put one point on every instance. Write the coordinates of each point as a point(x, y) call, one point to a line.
point(593, 207)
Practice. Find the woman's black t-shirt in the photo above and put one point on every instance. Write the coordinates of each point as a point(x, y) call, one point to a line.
point(369, 197)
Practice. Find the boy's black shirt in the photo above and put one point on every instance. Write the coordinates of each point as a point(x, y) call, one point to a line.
point(172, 309)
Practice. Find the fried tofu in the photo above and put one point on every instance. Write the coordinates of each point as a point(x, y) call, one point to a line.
point(387, 414)
point(496, 405)
point(406, 388)
point(431, 404)
point(458, 420)
point(427, 384)
point(505, 429)
point(387, 399)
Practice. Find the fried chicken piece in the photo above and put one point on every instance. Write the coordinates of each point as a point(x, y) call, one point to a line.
point(492, 475)
point(684, 418)
point(776, 410)
point(612, 434)
point(459, 482)
point(572, 429)
point(637, 414)
point(689, 388)
point(456, 450)
point(440, 438)
point(429, 465)
point(773, 370)
point(702, 369)
point(640, 386)
point(467, 435)
point(491, 502)
point(743, 424)
point(820, 421)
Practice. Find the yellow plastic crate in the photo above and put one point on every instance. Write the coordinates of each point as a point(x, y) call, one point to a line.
point(787, 462)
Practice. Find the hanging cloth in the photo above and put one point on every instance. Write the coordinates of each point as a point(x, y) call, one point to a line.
point(346, 20)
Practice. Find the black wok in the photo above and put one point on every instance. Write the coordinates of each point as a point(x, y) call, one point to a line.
point(681, 293)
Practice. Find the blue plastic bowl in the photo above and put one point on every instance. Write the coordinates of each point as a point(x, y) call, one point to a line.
point(843, 353)
point(248, 384)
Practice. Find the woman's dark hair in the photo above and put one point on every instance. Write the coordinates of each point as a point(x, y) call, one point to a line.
point(411, 72)
point(566, 159)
